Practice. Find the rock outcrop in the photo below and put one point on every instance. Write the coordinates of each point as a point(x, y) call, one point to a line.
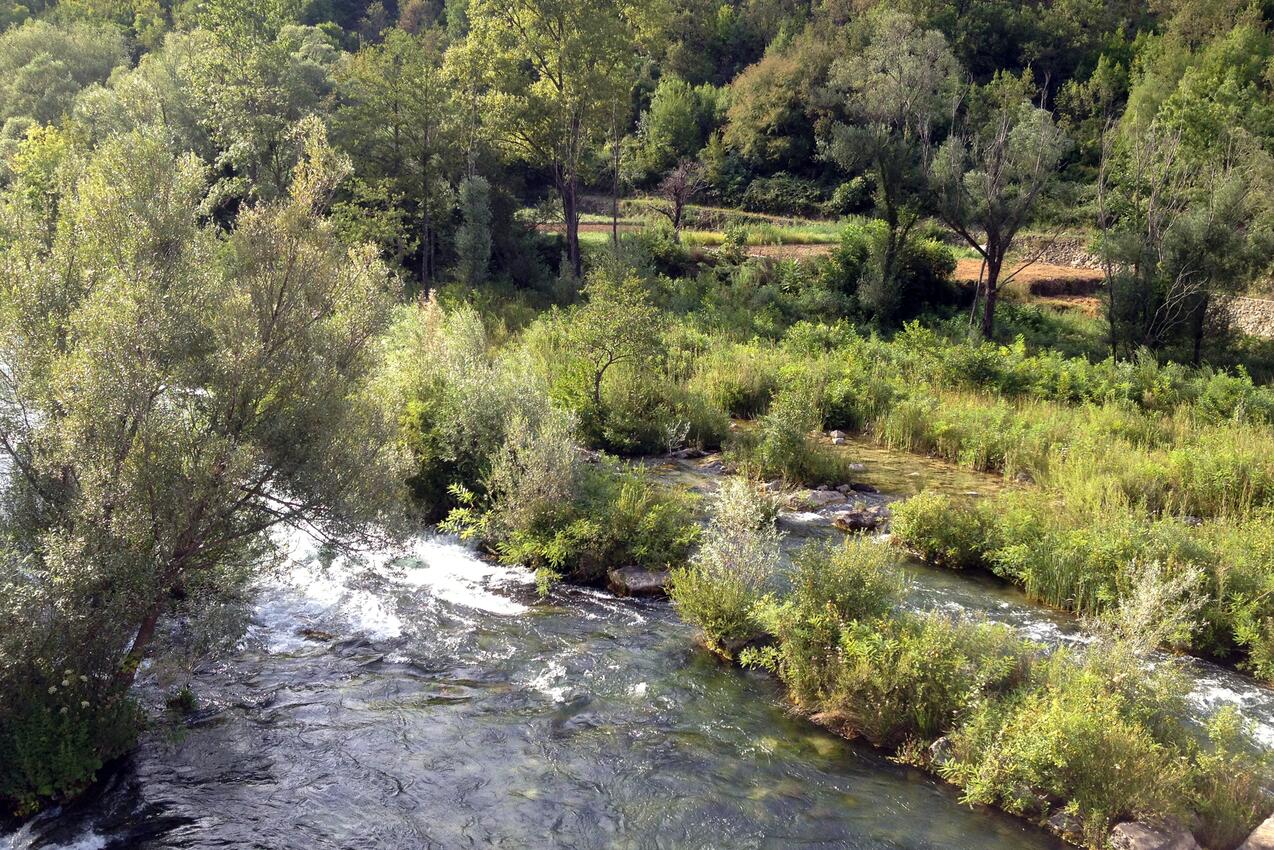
point(1144, 836)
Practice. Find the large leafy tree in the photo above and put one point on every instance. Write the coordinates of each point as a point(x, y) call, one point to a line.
point(553, 71)
point(895, 93)
point(399, 120)
point(1183, 190)
point(255, 74)
point(167, 397)
point(990, 174)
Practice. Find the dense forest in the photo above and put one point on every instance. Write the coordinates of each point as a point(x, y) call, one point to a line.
point(476, 267)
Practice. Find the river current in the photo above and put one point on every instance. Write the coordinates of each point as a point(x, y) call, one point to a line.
point(430, 699)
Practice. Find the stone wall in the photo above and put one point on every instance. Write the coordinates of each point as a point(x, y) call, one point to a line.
point(1062, 251)
point(1253, 316)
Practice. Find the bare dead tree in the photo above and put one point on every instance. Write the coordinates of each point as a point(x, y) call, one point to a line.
point(678, 188)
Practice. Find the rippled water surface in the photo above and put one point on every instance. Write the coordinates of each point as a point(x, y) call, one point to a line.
point(453, 709)
point(432, 700)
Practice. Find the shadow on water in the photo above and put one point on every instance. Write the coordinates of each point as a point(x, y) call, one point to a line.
point(456, 710)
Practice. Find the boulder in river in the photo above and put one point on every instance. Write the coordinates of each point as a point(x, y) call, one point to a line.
point(860, 519)
point(637, 581)
point(814, 500)
point(1143, 836)
point(1066, 826)
point(1262, 838)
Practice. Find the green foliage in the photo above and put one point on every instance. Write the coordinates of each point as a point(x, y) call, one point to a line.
point(719, 589)
point(44, 65)
point(458, 397)
point(917, 277)
point(1073, 737)
point(473, 238)
point(783, 444)
point(942, 530)
point(1098, 736)
point(176, 393)
point(546, 508)
point(675, 126)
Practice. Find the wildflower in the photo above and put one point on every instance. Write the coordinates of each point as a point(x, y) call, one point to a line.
point(83, 703)
point(53, 689)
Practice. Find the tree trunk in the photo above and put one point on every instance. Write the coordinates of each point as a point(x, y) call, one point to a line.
point(137, 652)
point(1200, 325)
point(991, 293)
point(570, 211)
point(614, 186)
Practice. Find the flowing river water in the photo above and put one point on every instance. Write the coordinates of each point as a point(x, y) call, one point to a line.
point(432, 700)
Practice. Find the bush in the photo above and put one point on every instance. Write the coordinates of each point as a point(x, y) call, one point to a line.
point(921, 277)
point(719, 589)
point(942, 530)
point(783, 194)
point(783, 446)
point(1099, 736)
point(1230, 792)
point(547, 509)
point(1069, 737)
point(458, 398)
point(739, 379)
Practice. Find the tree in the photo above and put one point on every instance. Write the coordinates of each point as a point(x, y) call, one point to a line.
point(617, 324)
point(167, 397)
point(678, 188)
point(43, 66)
point(398, 119)
point(895, 91)
point(769, 119)
point(1178, 235)
point(990, 173)
point(255, 75)
point(553, 70)
point(473, 239)
point(675, 126)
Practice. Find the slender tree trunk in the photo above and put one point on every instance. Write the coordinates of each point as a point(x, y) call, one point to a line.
point(1200, 325)
point(991, 294)
point(570, 211)
point(614, 186)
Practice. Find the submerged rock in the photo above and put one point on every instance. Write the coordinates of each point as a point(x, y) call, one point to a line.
point(1143, 836)
point(637, 581)
point(1262, 838)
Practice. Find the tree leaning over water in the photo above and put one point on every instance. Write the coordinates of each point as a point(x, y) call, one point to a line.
point(168, 395)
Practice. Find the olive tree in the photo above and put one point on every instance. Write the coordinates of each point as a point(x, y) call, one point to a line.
point(168, 395)
point(990, 173)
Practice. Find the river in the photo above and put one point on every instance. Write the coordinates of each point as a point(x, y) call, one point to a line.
point(452, 708)
point(430, 699)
